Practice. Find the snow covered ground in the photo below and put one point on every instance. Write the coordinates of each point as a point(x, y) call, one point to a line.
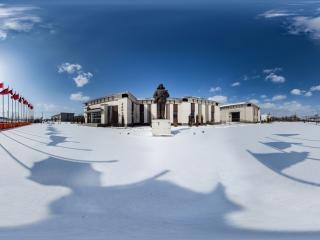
point(64, 181)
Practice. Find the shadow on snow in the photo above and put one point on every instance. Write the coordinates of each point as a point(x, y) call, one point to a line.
point(150, 209)
point(282, 160)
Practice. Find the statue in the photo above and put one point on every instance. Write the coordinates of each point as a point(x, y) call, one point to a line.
point(160, 98)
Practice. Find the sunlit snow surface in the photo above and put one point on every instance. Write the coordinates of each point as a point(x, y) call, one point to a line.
point(243, 181)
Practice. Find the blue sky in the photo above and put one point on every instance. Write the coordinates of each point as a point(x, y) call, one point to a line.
point(59, 54)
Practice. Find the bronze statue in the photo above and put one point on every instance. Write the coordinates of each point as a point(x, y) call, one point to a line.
point(160, 98)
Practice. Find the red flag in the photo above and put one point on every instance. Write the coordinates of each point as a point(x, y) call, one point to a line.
point(11, 92)
point(1, 85)
point(15, 96)
point(4, 91)
point(20, 99)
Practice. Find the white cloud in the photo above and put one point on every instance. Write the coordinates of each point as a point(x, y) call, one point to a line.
point(308, 94)
point(69, 67)
point(287, 108)
point(215, 89)
point(268, 105)
point(245, 78)
point(82, 79)
point(263, 96)
point(315, 88)
point(296, 92)
point(272, 70)
point(278, 97)
point(219, 98)
point(79, 97)
point(306, 25)
point(276, 13)
point(3, 35)
point(255, 101)
point(299, 92)
point(46, 107)
point(295, 107)
point(235, 84)
point(16, 19)
point(273, 76)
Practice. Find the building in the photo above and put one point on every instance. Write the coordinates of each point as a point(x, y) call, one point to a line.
point(63, 117)
point(124, 109)
point(266, 118)
point(240, 112)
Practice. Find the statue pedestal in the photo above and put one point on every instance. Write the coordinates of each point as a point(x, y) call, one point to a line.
point(161, 127)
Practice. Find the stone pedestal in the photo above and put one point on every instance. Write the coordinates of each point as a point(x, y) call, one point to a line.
point(161, 127)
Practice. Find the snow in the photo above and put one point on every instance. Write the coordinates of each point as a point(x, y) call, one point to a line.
point(241, 181)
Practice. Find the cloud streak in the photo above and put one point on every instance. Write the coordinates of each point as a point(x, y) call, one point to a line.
point(235, 84)
point(69, 67)
point(306, 25)
point(287, 108)
point(17, 19)
point(273, 75)
point(219, 98)
point(276, 14)
point(215, 89)
point(79, 97)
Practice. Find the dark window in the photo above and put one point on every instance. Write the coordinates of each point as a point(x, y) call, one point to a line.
point(249, 104)
point(212, 113)
point(235, 117)
point(149, 113)
point(132, 112)
point(175, 113)
point(113, 115)
point(141, 113)
point(125, 95)
point(192, 109)
point(184, 99)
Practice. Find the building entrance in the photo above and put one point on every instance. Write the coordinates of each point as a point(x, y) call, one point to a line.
point(235, 117)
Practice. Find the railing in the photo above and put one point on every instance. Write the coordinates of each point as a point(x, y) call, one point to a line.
point(13, 125)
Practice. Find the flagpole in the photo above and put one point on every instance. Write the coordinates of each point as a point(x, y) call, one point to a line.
point(15, 111)
point(11, 109)
point(8, 110)
point(18, 110)
point(2, 104)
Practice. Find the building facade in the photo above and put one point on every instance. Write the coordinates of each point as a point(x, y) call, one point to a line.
point(63, 117)
point(240, 112)
point(124, 109)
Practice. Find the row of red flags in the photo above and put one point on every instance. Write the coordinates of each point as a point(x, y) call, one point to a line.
point(15, 96)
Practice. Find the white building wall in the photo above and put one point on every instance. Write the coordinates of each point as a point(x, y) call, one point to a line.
point(247, 113)
point(196, 110)
point(203, 111)
point(171, 112)
point(104, 114)
point(153, 111)
point(184, 110)
point(217, 114)
point(145, 114)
